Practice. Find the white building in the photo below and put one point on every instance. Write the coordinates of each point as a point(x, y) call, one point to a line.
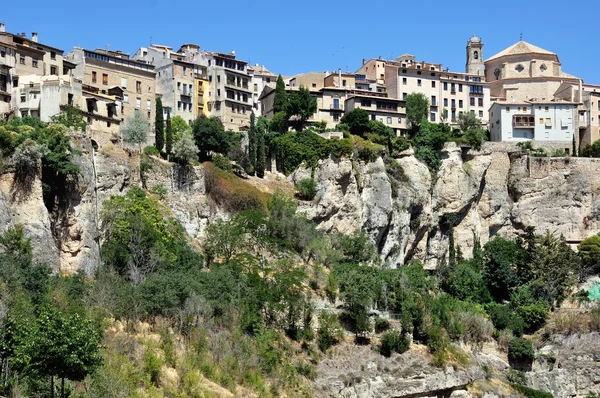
point(540, 121)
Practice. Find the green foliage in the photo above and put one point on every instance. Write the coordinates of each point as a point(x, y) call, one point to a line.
point(357, 121)
point(589, 251)
point(329, 332)
point(534, 316)
point(151, 151)
point(307, 188)
point(591, 151)
point(178, 127)
point(135, 129)
point(417, 109)
point(300, 106)
point(70, 116)
point(262, 127)
point(467, 283)
point(468, 121)
point(504, 318)
point(222, 162)
point(531, 392)
point(169, 133)
point(381, 325)
point(279, 122)
point(160, 191)
point(210, 137)
point(252, 144)
point(185, 149)
point(366, 150)
point(280, 100)
point(159, 126)
point(393, 341)
point(520, 350)
point(430, 157)
point(503, 259)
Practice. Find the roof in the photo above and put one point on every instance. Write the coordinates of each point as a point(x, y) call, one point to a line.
point(521, 47)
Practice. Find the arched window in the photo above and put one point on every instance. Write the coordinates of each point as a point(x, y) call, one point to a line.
point(476, 55)
point(497, 73)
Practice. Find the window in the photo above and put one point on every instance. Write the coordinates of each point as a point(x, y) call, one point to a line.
point(93, 76)
point(178, 86)
point(124, 82)
point(507, 109)
point(403, 70)
point(524, 109)
point(460, 88)
point(480, 113)
point(148, 104)
point(419, 82)
point(365, 103)
point(433, 100)
point(184, 71)
point(104, 79)
point(548, 122)
point(336, 116)
point(53, 70)
point(480, 101)
point(433, 84)
point(541, 120)
point(22, 60)
point(445, 86)
point(148, 114)
point(543, 68)
point(126, 98)
point(418, 72)
point(453, 116)
point(546, 109)
point(432, 117)
point(453, 103)
point(445, 101)
point(519, 68)
point(472, 101)
point(2, 53)
point(34, 62)
point(418, 66)
point(404, 95)
point(404, 80)
point(476, 55)
point(138, 87)
point(399, 120)
point(372, 117)
point(178, 105)
point(314, 85)
point(460, 103)
point(23, 98)
point(389, 120)
point(52, 55)
point(344, 83)
point(138, 102)
point(452, 88)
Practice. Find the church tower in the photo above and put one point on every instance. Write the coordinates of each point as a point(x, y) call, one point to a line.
point(475, 56)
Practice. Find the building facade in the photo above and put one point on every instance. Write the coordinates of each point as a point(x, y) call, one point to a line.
point(114, 87)
point(541, 121)
point(261, 77)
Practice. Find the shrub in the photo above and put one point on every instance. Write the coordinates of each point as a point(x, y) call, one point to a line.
point(504, 338)
point(232, 192)
point(393, 341)
point(531, 392)
point(430, 157)
point(503, 317)
point(329, 332)
point(516, 376)
point(151, 150)
point(595, 319)
point(570, 323)
point(307, 188)
point(559, 153)
point(222, 162)
point(534, 316)
point(477, 328)
point(381, 325)
point(367, 150)
point(160, 191)
point(520, 351)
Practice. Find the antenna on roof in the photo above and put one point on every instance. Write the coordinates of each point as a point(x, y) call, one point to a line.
point(521, 39)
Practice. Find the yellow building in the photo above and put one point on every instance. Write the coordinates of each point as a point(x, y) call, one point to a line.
point(202, 87)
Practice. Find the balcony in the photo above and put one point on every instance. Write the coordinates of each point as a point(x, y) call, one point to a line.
point(452, 91)
point(524, 122)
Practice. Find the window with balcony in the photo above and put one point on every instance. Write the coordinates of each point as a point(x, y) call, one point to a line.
point(94, 78)
point(138, 87)
point(453, 116)
point(336, 103)
point(105, 79)
point(452, 88)
point(523, 121)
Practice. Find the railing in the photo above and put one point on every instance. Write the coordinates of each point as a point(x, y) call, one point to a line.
point(523, 124)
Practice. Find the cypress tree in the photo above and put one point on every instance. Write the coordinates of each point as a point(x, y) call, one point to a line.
point(159, 126)
point(260, 151)
point(280, 96)
point(169, 134)
point(574, 150)
point(252, 145)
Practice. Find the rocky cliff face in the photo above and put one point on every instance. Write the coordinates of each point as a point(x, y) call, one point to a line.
point(480, 194)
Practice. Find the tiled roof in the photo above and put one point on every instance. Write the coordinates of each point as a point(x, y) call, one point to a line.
point(521, 47)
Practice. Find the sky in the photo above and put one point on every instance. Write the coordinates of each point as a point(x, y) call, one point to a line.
point(291, 37)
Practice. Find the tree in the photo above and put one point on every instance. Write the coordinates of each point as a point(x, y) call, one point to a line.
point(300, 105)
point(357, 121)
point(279, 102)
point(135, 129)
point(159, 126)
point(574, 147)
point(468, 121)
point(417, 109)
point(444, 116)
point(185, 148)
point(252, 144)
point(64, 346)
point(503, 259)
point(589, 251)
point(261, 130)
point(210, 136)
point(279, 122)
point(178, 126)
point(70, 116)
point(169, 134)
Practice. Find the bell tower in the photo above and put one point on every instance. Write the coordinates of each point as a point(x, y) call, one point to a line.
point(475, 56)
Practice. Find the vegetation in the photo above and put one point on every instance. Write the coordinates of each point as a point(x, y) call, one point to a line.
point(417, 110)
point(159, 126)
point(135, 129)
point(307, 188)
point(300, 106)
point(185, 149)
point(211, 137)
point(169, 134)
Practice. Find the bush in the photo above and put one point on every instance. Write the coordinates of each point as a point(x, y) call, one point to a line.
point(329, 332)
point(430, 157)
point(503, 317)
point(222, 162)
point(393, 341)
point(366, 150)
point(477, 329)
point(151, 150)
point(534, 316)
point(520, 352)
point(232, 192)
point(307, 188)
point(381, 325)
point(160, 191)
point(531, 392)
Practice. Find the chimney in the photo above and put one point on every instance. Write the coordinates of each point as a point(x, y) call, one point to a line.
point(364, 61)
point(34, 37)
point(2, 27)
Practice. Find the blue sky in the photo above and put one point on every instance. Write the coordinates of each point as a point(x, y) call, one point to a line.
point(293, 37)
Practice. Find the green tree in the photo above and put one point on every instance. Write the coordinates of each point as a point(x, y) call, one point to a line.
point(63, 346)
point(210, 137)
point(70, 116)
point(159, 126)
point(503, 259)
point(169, 134)
point(135, 129)
point(279, 122)
point(300, 106)
point(357, 121)
point(185, 149)
point(589, 251)
point(280, 100)
point(468, 121)
point(178, 126)
point(574, 147)
point(252, 144)
point(417, 109)
point(261, 147)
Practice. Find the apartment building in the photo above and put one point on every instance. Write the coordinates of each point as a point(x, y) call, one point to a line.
point(454, 91)
point(176, 80)
point(543, 121)
point(229, 96)
point(8, 51)
point(114, 87)
point(261, 77)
